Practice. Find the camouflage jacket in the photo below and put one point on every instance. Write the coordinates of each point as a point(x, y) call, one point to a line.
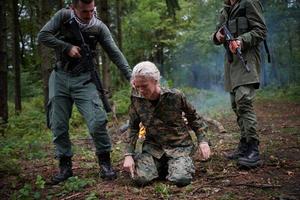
point(57, 36)
point(246, 22)
point(166, 129)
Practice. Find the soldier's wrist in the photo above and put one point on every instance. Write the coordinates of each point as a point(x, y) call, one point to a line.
point(128, 154)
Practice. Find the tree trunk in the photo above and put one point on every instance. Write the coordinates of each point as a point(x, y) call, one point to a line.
point(3, 65)
point(104, 16)
point(121, 80)
point(61, 3)
point(16, 55)
point(119, 22)
point(44, 52)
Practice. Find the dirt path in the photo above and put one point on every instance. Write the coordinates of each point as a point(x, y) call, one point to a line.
point(218, 178)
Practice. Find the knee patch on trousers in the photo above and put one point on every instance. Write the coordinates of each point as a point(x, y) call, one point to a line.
point(181, 170)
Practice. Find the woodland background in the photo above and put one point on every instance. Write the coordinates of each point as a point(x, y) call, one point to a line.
point(174, 34)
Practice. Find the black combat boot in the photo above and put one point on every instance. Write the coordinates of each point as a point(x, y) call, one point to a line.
point(65, 166)
point(240, 151)
point(251, 158)
point(106, 170)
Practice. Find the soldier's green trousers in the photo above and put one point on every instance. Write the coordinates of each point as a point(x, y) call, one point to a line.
point(242, 99)
point(180, 170)
point(65, 90)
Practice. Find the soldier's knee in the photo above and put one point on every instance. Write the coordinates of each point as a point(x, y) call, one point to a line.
point(59, 128)
point(97, 126)
point(244, 107)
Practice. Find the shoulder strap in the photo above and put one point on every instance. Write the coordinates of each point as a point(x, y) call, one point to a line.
point(267, 51)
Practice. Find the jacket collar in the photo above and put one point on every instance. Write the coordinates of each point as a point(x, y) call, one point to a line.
point(135, 93)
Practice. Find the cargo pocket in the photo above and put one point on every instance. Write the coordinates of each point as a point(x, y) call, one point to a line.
point(97, 103)
point(98, 110)
point(242, 94)
point(242, 25)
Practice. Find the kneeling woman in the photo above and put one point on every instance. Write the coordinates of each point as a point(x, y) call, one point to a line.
point(167, 143)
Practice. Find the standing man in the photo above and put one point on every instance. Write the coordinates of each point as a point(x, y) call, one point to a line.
point(166, 146)
point(246, 23)
point(71, 82)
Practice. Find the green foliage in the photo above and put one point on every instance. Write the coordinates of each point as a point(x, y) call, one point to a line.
point(121, 99)
point(28, 192)
point(288, 93)
point(163, 190)
point(92, 196)
point(25, 136)
point(24, 193)
point(148, 28)
point(40, 182)
point(75, 184)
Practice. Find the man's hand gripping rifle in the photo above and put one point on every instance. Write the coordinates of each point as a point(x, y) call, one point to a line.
point(229, 38)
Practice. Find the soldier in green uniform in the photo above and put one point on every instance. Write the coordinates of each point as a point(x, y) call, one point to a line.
point(67, 87)
point(245, 21)
point(167, 146)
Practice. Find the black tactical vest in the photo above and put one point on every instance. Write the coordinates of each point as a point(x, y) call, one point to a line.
point(65, 62)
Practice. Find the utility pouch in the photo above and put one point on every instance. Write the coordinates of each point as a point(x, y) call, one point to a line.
point(232, 27)
point(242, 25)
point(238, 26)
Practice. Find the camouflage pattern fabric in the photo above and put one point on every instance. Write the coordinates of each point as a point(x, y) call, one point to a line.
point(167, 135)
point(180, 167)
point(165, 126)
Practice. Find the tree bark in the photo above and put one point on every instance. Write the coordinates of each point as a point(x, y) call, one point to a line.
point(104, 16)
point(119, 22)
point(44, 52)
point(3, 65)
point(16, 55)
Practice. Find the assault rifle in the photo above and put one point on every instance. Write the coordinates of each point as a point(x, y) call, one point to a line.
point(229, 38)
point(87, 62)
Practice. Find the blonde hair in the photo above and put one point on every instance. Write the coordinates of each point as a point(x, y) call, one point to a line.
point(146, 69)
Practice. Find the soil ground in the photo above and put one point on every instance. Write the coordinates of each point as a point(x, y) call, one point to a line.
point(218, 178)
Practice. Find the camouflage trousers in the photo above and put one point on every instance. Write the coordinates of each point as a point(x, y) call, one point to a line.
point(242, 99)
point(178, 170)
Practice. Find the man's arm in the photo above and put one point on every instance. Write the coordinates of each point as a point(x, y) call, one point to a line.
point(47, 34)
point(258, 29)
point(114, 53)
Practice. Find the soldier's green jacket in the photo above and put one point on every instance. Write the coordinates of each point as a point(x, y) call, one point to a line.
point(56, 36)
point(246, 22)
point(165, 126)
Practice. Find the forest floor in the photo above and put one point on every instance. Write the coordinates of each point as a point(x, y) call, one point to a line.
point(218, 178)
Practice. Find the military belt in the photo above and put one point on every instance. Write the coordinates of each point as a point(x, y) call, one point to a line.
point(68, 69)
